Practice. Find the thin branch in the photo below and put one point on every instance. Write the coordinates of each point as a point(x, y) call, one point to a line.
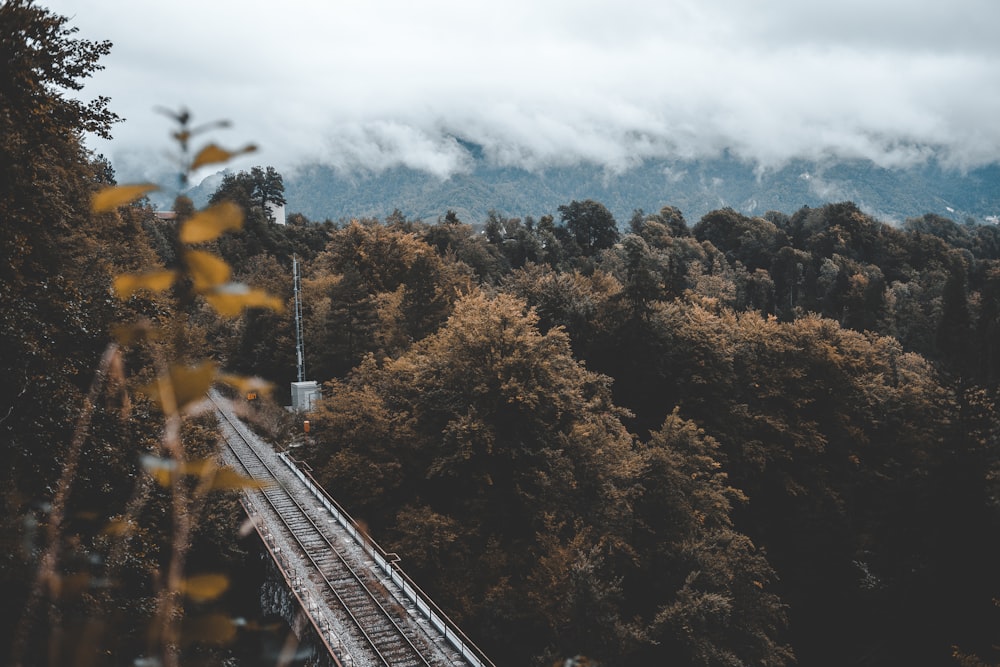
point(24, 390)
point(46, 577)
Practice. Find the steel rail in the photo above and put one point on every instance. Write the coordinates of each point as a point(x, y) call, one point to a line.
point(370, 602)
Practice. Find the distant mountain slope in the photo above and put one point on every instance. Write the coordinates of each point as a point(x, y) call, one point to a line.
point(695, 187)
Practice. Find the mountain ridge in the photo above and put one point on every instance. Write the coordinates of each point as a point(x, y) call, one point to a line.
point(693, 186)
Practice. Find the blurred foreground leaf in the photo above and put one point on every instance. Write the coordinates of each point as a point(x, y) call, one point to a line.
point(162, 470)
point(207, 270)
point(227, 479)
point(205, 587)
point(209, 224)
point(230, 299)
point(188, 384)
point(114, 196)
point(244, 384)
point(117, 528)
point(156, 281)
point(213, 154)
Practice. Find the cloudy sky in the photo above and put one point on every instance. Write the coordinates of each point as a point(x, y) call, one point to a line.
point(375, 83)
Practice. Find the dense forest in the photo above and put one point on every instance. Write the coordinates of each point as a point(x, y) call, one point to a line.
point(739, 440)
point(695, 186)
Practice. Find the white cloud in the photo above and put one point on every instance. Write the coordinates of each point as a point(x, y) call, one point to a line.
point(540, 82)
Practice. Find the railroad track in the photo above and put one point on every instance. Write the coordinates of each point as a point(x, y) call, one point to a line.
point(378, 628)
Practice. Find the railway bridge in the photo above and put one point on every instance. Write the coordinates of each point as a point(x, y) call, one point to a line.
point(361, 607)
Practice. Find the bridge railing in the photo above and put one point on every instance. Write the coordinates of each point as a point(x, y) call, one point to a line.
point(295, 583)
point(388, 562)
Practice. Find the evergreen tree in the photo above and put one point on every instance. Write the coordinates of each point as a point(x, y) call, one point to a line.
point(954, 329)
point(590, 224)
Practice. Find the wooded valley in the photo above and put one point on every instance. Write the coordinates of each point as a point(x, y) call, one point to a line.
point(739, 440)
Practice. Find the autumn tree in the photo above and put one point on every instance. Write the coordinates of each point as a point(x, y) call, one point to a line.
point(502, 461)
point(585, 306)
point(457, 240)
point(669, 222)
point(54, 308)
point(505, 435)
point(376, 289)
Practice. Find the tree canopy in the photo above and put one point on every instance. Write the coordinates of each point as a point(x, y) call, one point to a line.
point(752, 440)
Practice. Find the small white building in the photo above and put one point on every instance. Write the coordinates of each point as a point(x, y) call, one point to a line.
point(277, 212)
point(304, 395)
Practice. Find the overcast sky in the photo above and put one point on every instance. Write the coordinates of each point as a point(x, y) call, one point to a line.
point(374, 83)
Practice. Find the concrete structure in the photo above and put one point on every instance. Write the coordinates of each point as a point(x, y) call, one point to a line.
point(304, 395)
point(277, 212)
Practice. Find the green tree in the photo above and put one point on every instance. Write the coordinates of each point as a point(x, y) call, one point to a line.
point(268, 186)
point(988, 330)
point(702, 587)
point(253, 189)
point(751, 241)
point(642, 280)
point(954, 329)
point(348, 330)
point(590, 225)
point(517, 240)
point(261, 342)
point(456, 240)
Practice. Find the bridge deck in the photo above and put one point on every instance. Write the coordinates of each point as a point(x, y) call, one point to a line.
point(367, 611)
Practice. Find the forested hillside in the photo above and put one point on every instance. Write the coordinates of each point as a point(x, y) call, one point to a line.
point(722, 443)
point(735, 440)
point(694, 186)
point(728, 441)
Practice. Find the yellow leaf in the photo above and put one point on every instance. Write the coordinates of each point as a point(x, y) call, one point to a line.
point(201, 467)
point(162, 470)
point(244, 384)
point(117, 528)
point(230, 299)
point(205, 587)
point(113, 196)
point(156, 281)
point(211, 629)
point(212, 222)
point(207, 270)
point(189, 384)
point(213, 154)
point(227, 479)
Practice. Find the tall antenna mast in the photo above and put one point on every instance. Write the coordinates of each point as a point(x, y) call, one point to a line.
point(299, 348)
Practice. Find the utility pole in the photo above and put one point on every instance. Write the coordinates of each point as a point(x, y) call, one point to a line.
point(304, 393)
point(300, 356)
